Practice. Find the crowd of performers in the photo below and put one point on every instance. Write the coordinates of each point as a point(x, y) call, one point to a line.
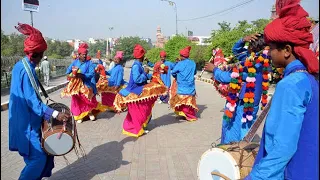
point(289, 148)
point(88, 78)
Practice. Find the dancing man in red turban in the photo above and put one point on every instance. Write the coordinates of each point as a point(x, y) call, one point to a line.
point(165, 75)
point(139, 96)
point(82, 87)
point(26, 109)
point(289, 148)
point(183, 101)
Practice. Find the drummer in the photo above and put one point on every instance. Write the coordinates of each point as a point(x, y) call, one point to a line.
point(234, 129)
point(289, 148)
point(26, 110)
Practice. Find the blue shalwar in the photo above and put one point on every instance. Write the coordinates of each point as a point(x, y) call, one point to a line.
point(235, 130)
point(289, 148)
point(26, 113)
point(184, 72)
point(87, 69)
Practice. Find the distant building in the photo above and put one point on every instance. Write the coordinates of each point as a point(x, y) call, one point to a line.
point(148, 40)
point(160, 39)
point(273, 12)
point(200, 40)
point(92, 41)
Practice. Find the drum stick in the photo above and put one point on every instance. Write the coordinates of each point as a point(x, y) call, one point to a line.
point(203, 68)
point(220, 175)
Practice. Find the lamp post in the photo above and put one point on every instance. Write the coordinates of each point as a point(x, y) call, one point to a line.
point(171, 3)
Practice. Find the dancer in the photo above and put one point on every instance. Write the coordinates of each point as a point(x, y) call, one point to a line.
point(26, 110)
point(81, 87)
point(289, 148)
point(183, 100)
point(139, 96)
point(111, 86)
point(165, 77)
point(242, 107)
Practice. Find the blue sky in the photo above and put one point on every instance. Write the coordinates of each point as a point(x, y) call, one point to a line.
point(70, 19)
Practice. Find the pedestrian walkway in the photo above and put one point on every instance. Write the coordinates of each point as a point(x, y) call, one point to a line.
point(55, 84)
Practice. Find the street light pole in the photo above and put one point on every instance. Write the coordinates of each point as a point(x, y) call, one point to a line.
point(171, 3)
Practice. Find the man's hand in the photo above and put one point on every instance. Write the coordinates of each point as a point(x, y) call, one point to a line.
point(146, 69)
point(251, 37)
point(209, 67)
point(62, 116)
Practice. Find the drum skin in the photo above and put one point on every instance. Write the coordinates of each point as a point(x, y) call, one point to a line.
point(51, 143)
point(233, 160)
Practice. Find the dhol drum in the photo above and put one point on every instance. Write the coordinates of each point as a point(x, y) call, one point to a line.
point(228, 162)
point(58, 138)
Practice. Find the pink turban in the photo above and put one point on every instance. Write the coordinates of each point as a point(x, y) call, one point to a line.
point(83, 48)
point(34, 43)
point(119, 54)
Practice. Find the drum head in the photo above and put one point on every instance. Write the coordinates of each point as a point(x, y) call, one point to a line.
point(58, 147)
point(220, 161)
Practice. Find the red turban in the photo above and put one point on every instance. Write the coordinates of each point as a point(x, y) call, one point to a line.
point(138, 51)
point(34, 43)
point(294, 27)
point(83, 48)
point(163, 54)
point(185, 52)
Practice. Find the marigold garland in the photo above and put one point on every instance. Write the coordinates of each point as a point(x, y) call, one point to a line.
point(265, 80)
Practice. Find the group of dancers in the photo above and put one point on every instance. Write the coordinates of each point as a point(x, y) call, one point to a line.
point(289, 148)
point(137, 96)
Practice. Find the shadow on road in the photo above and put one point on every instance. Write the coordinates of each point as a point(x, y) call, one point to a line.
point(164, 120)
point(101, 159)
point(201, 109)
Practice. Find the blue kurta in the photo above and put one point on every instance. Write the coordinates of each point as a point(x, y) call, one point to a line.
point(87, 69)
point(184, 72)
point(26, 113)
point(235, 130)
point(166, 78)
point(138, 78)
point(116, 76)
point(289, 147)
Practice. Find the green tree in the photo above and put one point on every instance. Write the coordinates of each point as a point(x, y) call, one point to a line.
point(100, 45)
point(154, 54)
point(127, 44)
point(199, 55)
point(175, 44)
point(260, 24)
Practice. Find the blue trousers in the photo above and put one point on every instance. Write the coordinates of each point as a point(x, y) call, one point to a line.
point(38, 163)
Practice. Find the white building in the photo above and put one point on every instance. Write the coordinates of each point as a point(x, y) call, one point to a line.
point(200, 40)
point(92, 41)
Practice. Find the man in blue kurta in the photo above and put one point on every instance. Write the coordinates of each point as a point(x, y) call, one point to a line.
point(234, 130)
point(184, 101)
point(289, 148)
point(27, 111)
point(165, 77)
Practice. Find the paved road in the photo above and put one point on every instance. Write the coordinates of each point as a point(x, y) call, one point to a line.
point(170, 151)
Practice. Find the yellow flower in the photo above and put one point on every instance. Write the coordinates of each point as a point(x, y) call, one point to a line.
point(251, 100)
point(266, 60)
point(245, 100)
point(265, 84)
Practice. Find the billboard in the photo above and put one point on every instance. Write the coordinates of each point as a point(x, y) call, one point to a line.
point(30, 5)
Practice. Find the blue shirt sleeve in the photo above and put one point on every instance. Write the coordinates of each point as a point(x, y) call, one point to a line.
point(137, 76)
point(283, 124)
point(33, 101)
point(175, 70)
point(108, 73)
point(239, 48)
point(221, 76)
point(150, 64)
point(69, 69)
